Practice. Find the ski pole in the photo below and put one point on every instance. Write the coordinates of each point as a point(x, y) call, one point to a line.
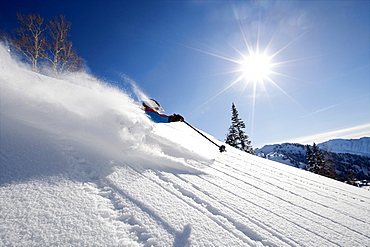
point(222, 148)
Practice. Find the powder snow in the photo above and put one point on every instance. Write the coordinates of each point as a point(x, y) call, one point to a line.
point(82, 165)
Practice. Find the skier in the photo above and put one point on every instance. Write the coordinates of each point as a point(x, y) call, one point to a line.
point(152, 108)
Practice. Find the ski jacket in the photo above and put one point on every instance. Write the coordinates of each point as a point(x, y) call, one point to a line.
point(156, 116)
point(161, 118)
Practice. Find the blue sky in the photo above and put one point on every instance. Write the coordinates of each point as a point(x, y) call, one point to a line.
point(188, 55)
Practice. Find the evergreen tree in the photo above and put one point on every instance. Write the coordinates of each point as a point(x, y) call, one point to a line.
point(329, 167)
point(350, 178)
point(317, 163)
point(310, 159)
point(236, 136)
point(315, 159)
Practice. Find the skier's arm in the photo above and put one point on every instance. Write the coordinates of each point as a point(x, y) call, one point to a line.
point(175, 118)
point(162, 118)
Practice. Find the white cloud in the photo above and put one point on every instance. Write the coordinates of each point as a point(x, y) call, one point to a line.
point(346, 133)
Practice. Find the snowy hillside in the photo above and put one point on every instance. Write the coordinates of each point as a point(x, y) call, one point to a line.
point(294, 154)
point(352, 146)
point(81, 165)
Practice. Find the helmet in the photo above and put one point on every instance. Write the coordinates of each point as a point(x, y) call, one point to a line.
point(152, 104)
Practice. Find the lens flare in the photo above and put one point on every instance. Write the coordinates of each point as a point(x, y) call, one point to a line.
point(256, 67)
point(258, 52)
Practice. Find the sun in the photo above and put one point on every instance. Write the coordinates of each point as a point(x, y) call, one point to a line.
point(256, 67)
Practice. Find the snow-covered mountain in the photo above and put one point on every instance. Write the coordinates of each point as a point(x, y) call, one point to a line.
point(81, 165)
point(292, 154)
point(341, 154)
point(352, 146)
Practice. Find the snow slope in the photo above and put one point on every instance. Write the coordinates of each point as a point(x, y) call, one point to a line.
point(81, 165)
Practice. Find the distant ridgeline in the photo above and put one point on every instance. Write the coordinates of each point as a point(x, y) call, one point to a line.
point(349, 158)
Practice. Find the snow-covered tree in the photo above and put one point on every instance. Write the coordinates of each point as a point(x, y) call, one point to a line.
point(236, 136)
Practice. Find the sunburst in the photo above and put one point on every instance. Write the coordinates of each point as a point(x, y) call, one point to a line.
point(257, 64)
point(256, 67)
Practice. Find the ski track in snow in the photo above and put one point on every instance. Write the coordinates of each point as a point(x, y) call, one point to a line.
point(289, 204)
point(292, 183)
point(206, 194)
point(331, 195)
point(81, 165)
point(258, 209)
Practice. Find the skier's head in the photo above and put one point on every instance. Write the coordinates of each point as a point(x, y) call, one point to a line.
point(145, 105)
point(152, 104)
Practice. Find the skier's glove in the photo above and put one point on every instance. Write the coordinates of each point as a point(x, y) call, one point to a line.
point(175, 118)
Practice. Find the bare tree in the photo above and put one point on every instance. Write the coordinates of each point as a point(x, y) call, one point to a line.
point(62, 55)
point(4, 36)
point(70, 61)
point(30, 39)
